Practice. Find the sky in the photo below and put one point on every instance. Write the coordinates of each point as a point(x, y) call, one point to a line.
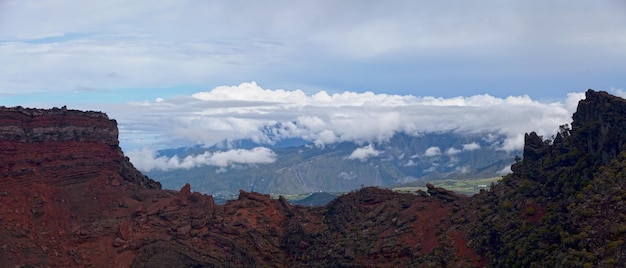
point(175, 73)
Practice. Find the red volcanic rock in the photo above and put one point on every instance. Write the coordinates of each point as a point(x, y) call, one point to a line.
point(125, 230)
point(118, 242)
point(39, 125)
point(62, 147)
point(69, 198)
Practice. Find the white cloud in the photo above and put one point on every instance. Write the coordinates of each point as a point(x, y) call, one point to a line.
point(432, 151)
point(325, 137)
point(463, 169)
point(471, 146)
point(572, 99)
point(618, 92)
point(452, 151)
point(258, 155)
point(231, 114)
point(364, 153)
point(505, 170)
point(516, 142)
point(147, 160)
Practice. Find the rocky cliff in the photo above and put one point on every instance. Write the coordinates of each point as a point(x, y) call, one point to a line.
point(599, 126)
point(56, 168)
point(565, 203)
point(62, 147)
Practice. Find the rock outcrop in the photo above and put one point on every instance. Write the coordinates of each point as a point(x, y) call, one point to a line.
point(599, 125)
point(564, 203)
point(62, 147)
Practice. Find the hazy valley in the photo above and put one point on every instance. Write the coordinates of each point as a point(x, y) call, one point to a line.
point(403, 160)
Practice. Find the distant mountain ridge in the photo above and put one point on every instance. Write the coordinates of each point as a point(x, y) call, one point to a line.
point(339, 168)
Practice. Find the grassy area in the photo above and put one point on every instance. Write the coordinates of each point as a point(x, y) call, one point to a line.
point(466, 186)
point(290, 197)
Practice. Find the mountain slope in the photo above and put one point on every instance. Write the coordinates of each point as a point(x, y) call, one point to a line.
point(307, 169)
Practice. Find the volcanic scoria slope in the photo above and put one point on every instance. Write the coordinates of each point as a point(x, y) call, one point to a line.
point(69, 197)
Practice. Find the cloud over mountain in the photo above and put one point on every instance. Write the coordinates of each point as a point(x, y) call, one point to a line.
point(148, 159)
point(432, 151)
point(265, 116)
point(471, 146)
point(364, 153)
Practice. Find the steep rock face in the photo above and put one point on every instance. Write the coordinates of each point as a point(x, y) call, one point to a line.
point(534, 147)
point(599, 125)
point(598, 135)
point(62, 147)
point(563, 206)
point(57, 124)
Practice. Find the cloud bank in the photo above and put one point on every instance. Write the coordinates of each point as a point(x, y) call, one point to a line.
point(147, 160)
point(266, 116)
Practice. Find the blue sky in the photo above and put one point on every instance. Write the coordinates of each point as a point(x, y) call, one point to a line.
point(116, 56)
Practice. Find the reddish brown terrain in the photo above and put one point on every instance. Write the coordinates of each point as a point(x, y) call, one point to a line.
point(69, 198)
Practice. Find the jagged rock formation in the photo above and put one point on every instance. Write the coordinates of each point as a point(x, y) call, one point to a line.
point(599, 126)
point(73, 201)
point(564, 204)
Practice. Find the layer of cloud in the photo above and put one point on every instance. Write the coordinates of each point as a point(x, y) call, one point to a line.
point(230, 113)
point(364, 153)
point(147, 160)
point(266, 116)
